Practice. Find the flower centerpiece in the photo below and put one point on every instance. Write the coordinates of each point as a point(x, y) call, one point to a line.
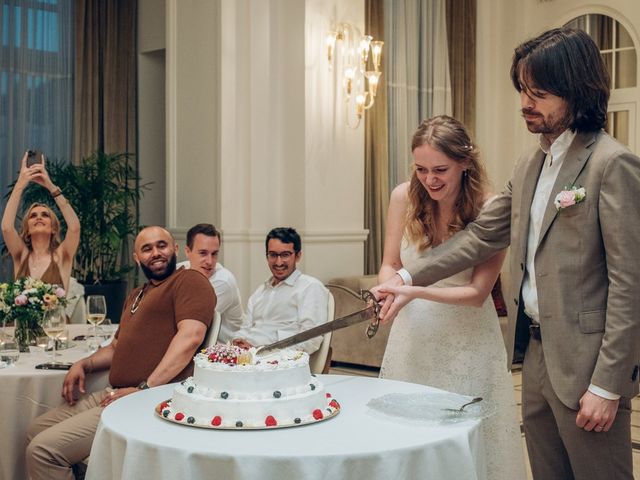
point(23, 303)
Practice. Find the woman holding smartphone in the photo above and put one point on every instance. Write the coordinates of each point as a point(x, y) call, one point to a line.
point(37, 250)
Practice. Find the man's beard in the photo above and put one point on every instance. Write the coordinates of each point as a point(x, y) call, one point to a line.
point(550, 124)
point(171, 267)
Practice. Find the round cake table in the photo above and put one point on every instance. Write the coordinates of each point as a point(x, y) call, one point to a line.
point(133, 442)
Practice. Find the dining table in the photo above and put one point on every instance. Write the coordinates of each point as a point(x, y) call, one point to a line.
point(360, 443)
point(27, 392)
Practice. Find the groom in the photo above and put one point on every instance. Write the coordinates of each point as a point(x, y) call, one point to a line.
point(570, 215)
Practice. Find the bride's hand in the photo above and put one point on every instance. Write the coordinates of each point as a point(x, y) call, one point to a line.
point(395, 297)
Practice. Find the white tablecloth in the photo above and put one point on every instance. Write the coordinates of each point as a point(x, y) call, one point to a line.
point(26, 393)
point(133, 442)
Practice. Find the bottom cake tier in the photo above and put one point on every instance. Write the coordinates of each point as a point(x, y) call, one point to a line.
point(204, 408)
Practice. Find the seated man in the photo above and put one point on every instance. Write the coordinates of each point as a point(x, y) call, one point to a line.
point(163, 323)
point(287, 303)
point(203, 247)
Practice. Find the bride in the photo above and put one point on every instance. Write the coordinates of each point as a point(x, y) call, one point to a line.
point(449, 336)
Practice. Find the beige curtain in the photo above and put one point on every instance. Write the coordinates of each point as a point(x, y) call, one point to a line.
point(417, 70)
point(461, 39)
point(376, 155)
point(105, 77)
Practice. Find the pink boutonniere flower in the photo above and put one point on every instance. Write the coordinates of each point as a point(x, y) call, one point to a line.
point(568, 197)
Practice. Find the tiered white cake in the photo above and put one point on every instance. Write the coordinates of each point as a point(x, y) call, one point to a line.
point(230, 388)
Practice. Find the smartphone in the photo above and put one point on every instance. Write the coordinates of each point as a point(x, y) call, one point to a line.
point(33, 157)
point(54, 366)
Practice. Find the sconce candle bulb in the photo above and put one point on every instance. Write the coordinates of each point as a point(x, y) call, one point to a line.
point(349, 50)
point(331, 46)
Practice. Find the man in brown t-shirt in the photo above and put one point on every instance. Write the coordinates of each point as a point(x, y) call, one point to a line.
point(162, 325)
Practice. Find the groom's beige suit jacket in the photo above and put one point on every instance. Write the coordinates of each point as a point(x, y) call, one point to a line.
point(587, 265)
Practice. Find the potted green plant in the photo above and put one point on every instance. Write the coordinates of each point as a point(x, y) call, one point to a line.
point(104, 190)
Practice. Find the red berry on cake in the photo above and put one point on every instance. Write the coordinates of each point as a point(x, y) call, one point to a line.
point(328, 395)
point(179, 416)
point(216, 421)
point(317, 414)
point(270, 421)
point(334, 404)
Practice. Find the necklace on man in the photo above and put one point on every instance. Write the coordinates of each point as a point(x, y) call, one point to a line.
point(138, 299)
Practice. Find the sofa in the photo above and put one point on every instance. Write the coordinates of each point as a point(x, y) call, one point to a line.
point(350, 345)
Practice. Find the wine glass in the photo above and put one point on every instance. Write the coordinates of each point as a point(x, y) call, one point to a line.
point(96, 313)
point(53, 323)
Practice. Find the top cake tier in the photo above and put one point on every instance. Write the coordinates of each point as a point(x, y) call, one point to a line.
point(286, 369)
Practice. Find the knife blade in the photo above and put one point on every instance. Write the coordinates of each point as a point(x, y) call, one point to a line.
point(369, 313)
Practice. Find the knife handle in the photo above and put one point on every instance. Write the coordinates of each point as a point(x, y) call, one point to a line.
point(372, 328)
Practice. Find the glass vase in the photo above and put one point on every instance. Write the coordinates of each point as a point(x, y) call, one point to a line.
point(27, 330)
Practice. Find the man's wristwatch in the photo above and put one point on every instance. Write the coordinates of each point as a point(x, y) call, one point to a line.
point(143, 385)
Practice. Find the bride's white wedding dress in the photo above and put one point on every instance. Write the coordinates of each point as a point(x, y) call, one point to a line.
point(459, 349)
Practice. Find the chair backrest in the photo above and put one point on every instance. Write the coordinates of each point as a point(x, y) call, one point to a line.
point(76, 310)
point(318, 359)
point(212, 334)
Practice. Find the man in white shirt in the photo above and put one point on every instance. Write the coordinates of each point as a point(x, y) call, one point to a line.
point(289, 302)
point(569, 216)
point(202, 250)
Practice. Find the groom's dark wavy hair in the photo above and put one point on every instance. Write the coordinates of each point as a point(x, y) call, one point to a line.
point(567, 63)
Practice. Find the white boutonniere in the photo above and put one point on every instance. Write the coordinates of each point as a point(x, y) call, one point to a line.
point(569, 196)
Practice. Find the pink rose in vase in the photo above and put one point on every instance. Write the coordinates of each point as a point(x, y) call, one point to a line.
point(21, 300)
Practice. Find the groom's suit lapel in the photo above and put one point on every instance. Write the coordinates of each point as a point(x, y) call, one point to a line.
point(530, 181)
point(576, 159)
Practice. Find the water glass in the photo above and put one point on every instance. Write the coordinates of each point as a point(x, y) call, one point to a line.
point(9, 351)
point(105, 330)
point(42, 343)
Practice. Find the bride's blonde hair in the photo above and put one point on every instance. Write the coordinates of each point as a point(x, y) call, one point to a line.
point(450, 137)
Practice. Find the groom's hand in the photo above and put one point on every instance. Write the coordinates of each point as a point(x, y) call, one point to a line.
point(390, 307)
point(596, 413)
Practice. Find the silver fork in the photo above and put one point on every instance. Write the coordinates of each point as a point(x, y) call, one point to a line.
point(461, 409)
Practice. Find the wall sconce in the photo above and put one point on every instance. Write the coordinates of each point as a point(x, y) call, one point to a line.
point(348, 50)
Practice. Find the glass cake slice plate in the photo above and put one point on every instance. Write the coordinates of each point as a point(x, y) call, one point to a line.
point(431, 407)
